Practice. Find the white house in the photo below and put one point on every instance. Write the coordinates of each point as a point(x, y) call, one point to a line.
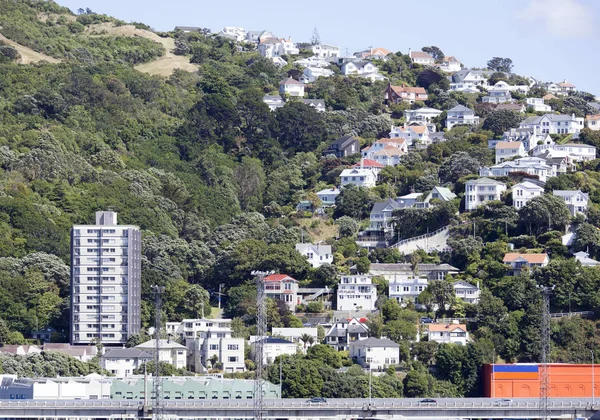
point(313, 61)
point(421, 114)
point(468, 80)
point(295, 335)
point(448, 333)
point(407, 288)
point(317, 255)
point(530, 137)
point(481, 190)
point(375, 353)
point(523, 192)
point(460, 114)
point(371, 164)
point(415, 135)
point(576, 201)
point(169, 352)
point(499, 94)
point(538, 105)
point(450, 65)
point(122, 362)
point(273, 347)
point(506, 150)
point(291, 87)
point(356, 292)
point(468, 292)
point(404, 93)
point(317, 104)
point(585, 260)
point(358, 67)
point(554, 124)
point(328, 196)
point(310, 74)
point(345, 331)
point(388, 156)
point(373, 53)
point(593, 122)
point(566, 87)
point(439, 193)
point(420, 57)
point(396, 141)
point(577, 152)
point(359, 177)
point(518, 261)
point(531, 165)
point(275, 47)
point(234, 32)
point(326, 51)
point(273, 101)
point(282, 287)
point(381, 215)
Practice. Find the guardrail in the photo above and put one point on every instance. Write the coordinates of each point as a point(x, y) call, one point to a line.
point(416, 238)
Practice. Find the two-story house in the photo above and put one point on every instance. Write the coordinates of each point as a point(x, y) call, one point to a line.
point(328, 196)
point(358, 67)
point(408, 287)
point(122, 362)
point(404, 93)
point(468, 80)
point(421, 115)
point(345, 331)
point(326, 51)
point(381, 215)
point(342, 147)
point(275, 47)
point(460, 115)
point(450, 64)
point(518, 261)
point(375, 353)
point(397, 142)
point(507, 150)
point(448, 333)
point(420, 57)
point(533, 166)
point(356, 292)
point(371, 164)
point(577, 152)
point(169, 352)
point(481, 190)
point(415, 134)
point(282, 287)
point(499, 94)
point(576, 201)
point(291, 87)
point(523, 192)
point(554, 124)
point(358, 176)
point(467, 292)
point(394, 272)
point(593, 122)
point(538, 105)
point(273, 347)
point(317, 255)
point(311, 74)
point(373, 53)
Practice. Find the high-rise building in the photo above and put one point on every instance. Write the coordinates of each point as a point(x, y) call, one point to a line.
point(105, 281)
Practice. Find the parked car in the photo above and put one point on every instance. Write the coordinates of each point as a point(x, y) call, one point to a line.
point(426, 320)
point(504, 401)
point(428, 401)
point(317, 400)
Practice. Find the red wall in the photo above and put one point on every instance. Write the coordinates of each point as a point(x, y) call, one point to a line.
point(565, 380)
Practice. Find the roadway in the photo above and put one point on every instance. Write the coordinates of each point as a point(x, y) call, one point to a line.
point(338, 409)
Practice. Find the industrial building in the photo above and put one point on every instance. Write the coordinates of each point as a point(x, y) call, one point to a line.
point(523, 380)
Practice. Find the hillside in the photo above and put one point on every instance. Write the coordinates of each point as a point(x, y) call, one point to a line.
point(172, 131)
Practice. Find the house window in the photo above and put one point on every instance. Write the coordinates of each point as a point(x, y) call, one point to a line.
point(233, 347)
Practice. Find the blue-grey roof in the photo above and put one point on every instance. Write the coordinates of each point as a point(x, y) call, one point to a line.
point(460, 108)
point(379, 206)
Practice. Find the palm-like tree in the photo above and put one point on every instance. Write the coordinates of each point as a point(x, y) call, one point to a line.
point(307, 339)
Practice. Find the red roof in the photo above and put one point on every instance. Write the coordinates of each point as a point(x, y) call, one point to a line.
point(369, 163)
point(279, 277)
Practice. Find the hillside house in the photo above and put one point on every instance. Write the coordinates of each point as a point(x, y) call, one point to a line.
point(291, 87)
point(415, 135)
point(169, 352)
point(593, 122)
point(381, 215)
point(342, 147)
point(276, 47)
point(317, 255)
point(450, 65)
point(507, 150)
point(566, 87)
point(468, 292)
point(273, 347)
point(460, 115)
point(448, 333)
point(122, 362)
point(282, 287)
point(358, 176)
point(374, 53)
point(407, 288)
point(356, 292)
point(538, 105)
point(371, 164)
point(358, 67)
point(440, 193)
point(273, 101)
point(519, 261)
point(518, 108)
point(395, 272)
point(523, 192)
point(233, 32)
point(311, 74)
point(577, 152)
point(585, 260)
point(346, 331)
point(404, 93)
point(576, 201)
point(421, 114)
point(326, 51)
point(328, 196)
point(469, 80)
point(420, 57)
point(375, 353)
point(533, 166)
point(530, 137)
point(499, 94)
point(554, 124)
point(481, 190)
point(388, 156)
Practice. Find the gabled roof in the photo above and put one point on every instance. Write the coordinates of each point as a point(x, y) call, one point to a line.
point(460, 108)
point(593, 117)
point(407, 89)
point(368, 163)
point(126, 353)
point(381, 205)
point(419, 129)
point(566, 84)
point(390, 151)
point(344, 141)
point(420, 54)
point(446, 327)
point(568, 193)
point(394, 140)
point(290, 81)
point(374, 342)
point(508, 145)
point(319, 249)
point(484, 180)
point(279, 277)
point(530, 258)
point(445, 193)
point(528, 186)
point(164, 344)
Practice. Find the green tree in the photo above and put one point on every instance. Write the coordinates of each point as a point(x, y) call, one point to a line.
point(354, 202)
point(348, 227)
point(545, 213)
point(500, 64)
point(502, 120)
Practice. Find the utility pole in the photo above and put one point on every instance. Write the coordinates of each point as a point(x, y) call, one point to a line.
point(593, 381)
point(157, 384)
point(261, 332)
point(544, 373)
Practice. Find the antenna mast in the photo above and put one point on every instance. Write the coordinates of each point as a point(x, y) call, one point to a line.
point(545, 353)
point(261, 332)
point(157, 384)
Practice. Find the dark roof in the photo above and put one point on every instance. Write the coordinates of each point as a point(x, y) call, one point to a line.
point(126, 353)
point(275, 340)
point(343, 142)
point(375, 342)
point(379, 206)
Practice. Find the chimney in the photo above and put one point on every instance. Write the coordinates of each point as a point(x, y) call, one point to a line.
point(409, 51)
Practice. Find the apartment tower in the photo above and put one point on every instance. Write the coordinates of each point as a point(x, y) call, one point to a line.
point(105, 281)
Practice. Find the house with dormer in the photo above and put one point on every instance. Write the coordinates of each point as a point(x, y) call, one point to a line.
point(346, 331)
point(358, 176)
point(576, 201)
point(554, 124)
point(519, 261)
point(358, 67)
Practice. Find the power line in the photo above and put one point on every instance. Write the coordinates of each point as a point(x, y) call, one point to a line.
point(157, 384)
